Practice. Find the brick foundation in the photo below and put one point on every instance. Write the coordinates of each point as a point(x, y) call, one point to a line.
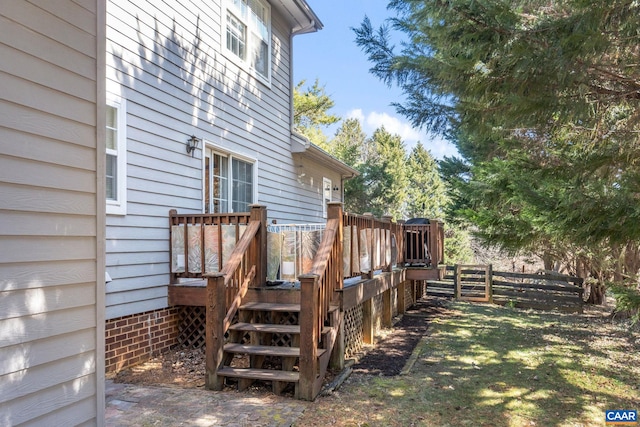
point(134, 339)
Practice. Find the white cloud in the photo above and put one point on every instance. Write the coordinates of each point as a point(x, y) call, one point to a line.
point(374, 120)
point(393, 125)
point(356, 114)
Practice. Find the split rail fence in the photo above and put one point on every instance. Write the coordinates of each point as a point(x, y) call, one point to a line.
point(544, 290)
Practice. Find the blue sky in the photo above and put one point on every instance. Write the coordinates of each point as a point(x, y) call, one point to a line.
point(331, 56)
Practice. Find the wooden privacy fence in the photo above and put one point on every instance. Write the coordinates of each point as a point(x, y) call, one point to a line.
point(544, 290)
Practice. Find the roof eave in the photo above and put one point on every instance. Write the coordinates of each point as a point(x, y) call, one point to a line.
point(301, 145)
point(302, 18)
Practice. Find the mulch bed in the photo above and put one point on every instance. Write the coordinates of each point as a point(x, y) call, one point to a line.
point(391, 353)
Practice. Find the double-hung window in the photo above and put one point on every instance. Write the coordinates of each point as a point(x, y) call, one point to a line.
point(229, 182)
point(116, 157)
point(247, 36)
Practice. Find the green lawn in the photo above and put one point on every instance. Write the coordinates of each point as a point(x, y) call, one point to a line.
point(487, 365)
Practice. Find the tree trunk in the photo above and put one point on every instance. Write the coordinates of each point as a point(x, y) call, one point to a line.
point(596, 293)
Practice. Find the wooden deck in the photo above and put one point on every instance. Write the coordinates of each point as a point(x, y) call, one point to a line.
point(358, 259)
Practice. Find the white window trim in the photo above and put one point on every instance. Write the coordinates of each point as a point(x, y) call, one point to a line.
point(119, 206)
point(218, 149)
point(326, 183)
point(227, 7)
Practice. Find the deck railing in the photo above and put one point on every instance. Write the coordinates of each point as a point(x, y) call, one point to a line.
point(424, 243)
point(246, 266)
point(319, 289)
point(203, 243)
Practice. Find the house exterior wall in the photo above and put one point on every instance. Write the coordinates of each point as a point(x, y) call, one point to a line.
point(51, 213)
point(165, 61)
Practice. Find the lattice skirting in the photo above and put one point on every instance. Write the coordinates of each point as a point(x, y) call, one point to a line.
point(353, 331)
point(191, 327)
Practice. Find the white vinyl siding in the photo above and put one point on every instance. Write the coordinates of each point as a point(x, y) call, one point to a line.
point(52, 213)
point(166, 60)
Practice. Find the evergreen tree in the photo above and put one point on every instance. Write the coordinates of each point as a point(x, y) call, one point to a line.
point(542, 100)
point(385, 174)
point(348, 145)
point(311, 112)
point(426, 194)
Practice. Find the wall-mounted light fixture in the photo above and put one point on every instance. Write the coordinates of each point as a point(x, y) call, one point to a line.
point(336, 188)
point(192, 144)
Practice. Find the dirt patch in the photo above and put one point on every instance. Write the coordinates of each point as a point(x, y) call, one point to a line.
point(181, 367)
point(186, 367)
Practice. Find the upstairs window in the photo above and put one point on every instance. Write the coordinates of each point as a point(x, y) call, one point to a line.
point(248, 35)
point(116, 160)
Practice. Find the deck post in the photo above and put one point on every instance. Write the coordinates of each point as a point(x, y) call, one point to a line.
point(372, 245)
point(387, 219)
point(309, 335)
point(334, 211)
point(387, 308)
point(434, 250)
point(214, 334)
point(402, 300)
point(172, 276)
point(259, 213)
point(368, 322)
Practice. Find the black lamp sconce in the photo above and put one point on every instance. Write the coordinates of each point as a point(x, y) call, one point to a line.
point(192, 144)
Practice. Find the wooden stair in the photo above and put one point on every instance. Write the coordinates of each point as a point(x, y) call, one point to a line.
point(263, 345)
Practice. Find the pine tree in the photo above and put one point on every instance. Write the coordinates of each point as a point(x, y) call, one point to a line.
point(385, 174)
point(426, 194)
point(311, 112)
point(348, 145)
point(542, 99)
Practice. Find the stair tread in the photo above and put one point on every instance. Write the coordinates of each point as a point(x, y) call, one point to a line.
point(266, 327)
point(268, 306)
point(270, 328)
point(259, 374)
point(264, 350)
point(267, 350)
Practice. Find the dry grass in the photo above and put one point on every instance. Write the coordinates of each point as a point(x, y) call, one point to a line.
point(495, 366)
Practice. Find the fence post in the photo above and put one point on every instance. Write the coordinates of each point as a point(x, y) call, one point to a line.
point(490, 283)
point(368, 322)
point(309, 335)
point(457, 271)
point(259, 213)
point(214, 333)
